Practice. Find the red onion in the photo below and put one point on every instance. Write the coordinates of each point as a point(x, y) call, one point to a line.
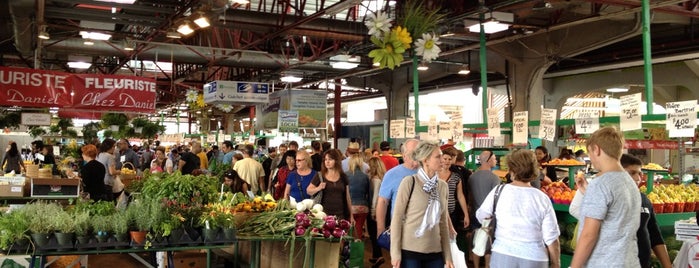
point(337, 233)
point(344, 225)
point(300, 231)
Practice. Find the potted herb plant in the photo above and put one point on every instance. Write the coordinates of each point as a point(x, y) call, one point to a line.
point(102, 226)
point(120, 226)
point(13, 230)
point(39, 215)
point(82, 226)
point(139, 212)
point(64, 226)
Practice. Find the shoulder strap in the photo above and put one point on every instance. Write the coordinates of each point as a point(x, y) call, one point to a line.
point(298, 184)
point(411, 189)
point(498, 190)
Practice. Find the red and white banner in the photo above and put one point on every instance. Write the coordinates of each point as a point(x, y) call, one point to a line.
point(113, 93)
point(33, 88)
point(36, 88)
point(650, 144)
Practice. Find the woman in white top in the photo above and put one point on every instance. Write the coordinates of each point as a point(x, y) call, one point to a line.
point(526, 233)
point(375, 172)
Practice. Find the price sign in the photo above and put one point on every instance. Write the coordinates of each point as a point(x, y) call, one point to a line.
point(445, 130)
point(520, 127)
point(493, 122)
point(547, 126)
point(681, 118)
point(432, 126)
point(457, 127)
point(630, 117)
point(410, 127)
point(587, 122)
point(397, 128)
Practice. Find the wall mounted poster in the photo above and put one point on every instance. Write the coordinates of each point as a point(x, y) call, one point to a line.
point(288, 121)
point(630, 117)
point(681, 118)
point(520, 127)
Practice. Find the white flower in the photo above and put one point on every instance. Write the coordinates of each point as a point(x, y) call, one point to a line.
point(427, 47)
point(378, 23)
point(192, 95)
point(224, 107)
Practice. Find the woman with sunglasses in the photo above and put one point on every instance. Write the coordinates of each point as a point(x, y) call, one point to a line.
point(299, 179)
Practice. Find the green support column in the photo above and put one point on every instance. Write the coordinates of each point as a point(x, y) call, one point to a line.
point(416, 92)
point(647, 61)
point(484, 70)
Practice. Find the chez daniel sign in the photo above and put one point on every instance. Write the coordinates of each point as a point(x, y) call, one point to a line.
point(36, 88)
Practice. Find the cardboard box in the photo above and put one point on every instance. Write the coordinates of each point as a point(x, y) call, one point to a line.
point(13, 186)
point(55, 188)
point(187, 259)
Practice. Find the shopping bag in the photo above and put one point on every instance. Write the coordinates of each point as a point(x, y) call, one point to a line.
point(574, 240)
point(356, 253)
point(457, 256)
point(482, 239)
point(384, 240)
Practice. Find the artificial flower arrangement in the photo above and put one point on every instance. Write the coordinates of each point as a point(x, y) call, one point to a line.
point(195, 100)
point(392, 43)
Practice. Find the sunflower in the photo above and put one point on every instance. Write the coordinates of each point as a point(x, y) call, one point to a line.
point(427, 47)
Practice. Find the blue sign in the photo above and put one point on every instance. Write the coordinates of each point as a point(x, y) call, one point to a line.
point(253, 88)
point(212, 87)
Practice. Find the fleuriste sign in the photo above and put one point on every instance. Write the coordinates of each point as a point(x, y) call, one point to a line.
point(36, 88)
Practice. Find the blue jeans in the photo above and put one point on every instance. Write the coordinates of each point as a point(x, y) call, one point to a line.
point(408, 262)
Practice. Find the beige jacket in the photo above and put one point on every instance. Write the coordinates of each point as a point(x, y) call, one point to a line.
point(407, 217)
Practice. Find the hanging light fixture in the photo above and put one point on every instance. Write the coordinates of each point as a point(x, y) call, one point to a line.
point(173, 34)
point(43, 34)
point(88, 42)
point(290, 78)
point(128, 46)
point(423, 67)
point(465, 69)
point(185, 29)
point(202, 21)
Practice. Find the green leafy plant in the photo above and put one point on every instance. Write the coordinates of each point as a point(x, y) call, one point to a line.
point(99, 208)
point(64, 124)
point(36, 131)
point(62, 222)
point(102, 224)
point(40, 214)
point(70, 133)
point(120, 222)
point(82, 223)
point(139, 212)
point(13, 227)
point(90, 131)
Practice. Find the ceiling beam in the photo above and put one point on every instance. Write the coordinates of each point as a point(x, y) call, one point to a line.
point(135, 6)
point(675, 10)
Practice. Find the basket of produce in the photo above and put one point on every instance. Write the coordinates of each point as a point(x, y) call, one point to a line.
point(128, 174)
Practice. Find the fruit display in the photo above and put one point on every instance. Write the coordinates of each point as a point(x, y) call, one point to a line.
point(127, 171)
point(564, 162)
point(242, 203)
point(673, 198)
point(653, 166)
point(559, 192)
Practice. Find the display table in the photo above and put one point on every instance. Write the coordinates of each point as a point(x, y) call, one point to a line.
point(255, 249)
point(650, 178)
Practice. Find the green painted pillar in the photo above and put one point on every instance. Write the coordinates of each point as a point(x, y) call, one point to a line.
point(484, 69)
point(647, 60)
point(416, 91)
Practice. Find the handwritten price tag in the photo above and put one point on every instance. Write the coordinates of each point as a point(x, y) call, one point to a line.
point(630, 118)
point(493, 122)
point(547, 127)
point(681, 118)
point(587, 122)
point(521, 128)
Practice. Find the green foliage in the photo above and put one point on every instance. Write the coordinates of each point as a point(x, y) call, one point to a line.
point(185, 189)
point(102, 224)
point(100, 208)
point(62, 222)
point(70, 133)
point(418, 20)
point(120, 222)
point(110, 119)
point(54, 130)
point(10, 120)
point(139, 212)
point(90, 131)
point(64, 123)
point(40, 214)
point(82, 223)
point(36, 131)
point(13, 227)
